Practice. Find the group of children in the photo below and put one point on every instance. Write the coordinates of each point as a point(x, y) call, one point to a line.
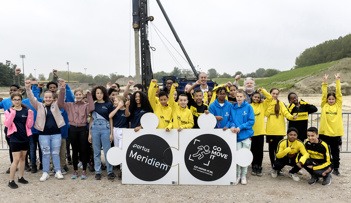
point(99, 120)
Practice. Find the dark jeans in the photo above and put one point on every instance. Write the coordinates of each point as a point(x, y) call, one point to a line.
point(33, 143)
point(79, 142)
point(257, 150)
point(335, 146)
point(280, 163)
point(273, 141)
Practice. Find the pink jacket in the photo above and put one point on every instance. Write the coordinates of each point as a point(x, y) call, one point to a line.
point(11, 127)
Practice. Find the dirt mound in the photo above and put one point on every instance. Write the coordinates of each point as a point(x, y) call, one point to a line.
point(312, 84)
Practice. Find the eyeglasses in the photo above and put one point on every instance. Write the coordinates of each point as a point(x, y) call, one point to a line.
point(16, 100)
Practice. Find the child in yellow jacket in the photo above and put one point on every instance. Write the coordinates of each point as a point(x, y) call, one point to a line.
point(331, 128)
point(182, 116)
point(259, 129)
point(275, 127)
point(160, 107)
point(288, 153)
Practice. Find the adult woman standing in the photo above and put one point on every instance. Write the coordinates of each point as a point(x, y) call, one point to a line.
point(18, 120)
point(101, 130)
point(49, 121)
point(77, 116)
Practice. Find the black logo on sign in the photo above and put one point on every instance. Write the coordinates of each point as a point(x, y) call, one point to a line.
point(208, 157)
point(149, 157)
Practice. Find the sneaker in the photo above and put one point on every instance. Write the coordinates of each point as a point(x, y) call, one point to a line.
point(294, 176)
point(259, 172)
point(34, 169)
point(75, 174)
point(44, 177)
point(52, 172)
point(280, 173)
point(238, 180)
point(327, 179)
point(83, 176)
point(243, 180)
point(8, 171)
point(22, 180)
point(97, 176)
point(13, 185)
point(336, 172)
point(63, 171)
point(313, 180)
point(254, 170)
point(58, 175)
point(27, 168)
point(111, 176)
point(274, 173)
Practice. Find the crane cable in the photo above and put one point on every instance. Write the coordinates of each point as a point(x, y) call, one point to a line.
point(155, 27)
point(168, 50)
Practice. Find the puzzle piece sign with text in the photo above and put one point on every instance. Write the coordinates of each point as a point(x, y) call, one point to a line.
point(204, 156)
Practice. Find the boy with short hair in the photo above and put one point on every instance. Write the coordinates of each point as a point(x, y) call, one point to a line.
point(160, 107)
point(182, 116)
point(196, 103)
point(290, 151)
point(319, 163)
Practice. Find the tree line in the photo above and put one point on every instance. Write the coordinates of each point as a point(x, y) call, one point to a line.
point(328, 51)
point(212, 73)
point(7, 71)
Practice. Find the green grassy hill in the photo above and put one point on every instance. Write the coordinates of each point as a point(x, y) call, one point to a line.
point(285, 79)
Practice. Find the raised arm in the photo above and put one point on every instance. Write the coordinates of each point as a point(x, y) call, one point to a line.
point(61, 96)
point(338, 90)
point(152, 93)
point(193, 86)
point(33, 101)
point(324, 90)
point(126, 91)
point(171, 101)
point(91, 105)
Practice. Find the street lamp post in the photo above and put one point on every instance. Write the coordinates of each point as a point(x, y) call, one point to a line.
point(35, 73)
point(85, 69)
point(23, 57)
point(68, 70)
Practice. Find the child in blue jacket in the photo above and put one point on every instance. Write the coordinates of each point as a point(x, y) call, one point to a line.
point(221, 108)
point(242, 118)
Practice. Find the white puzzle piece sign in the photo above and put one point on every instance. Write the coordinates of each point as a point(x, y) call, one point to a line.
point(204, 156)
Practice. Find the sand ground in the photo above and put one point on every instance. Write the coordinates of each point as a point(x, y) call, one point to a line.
point(258, 189)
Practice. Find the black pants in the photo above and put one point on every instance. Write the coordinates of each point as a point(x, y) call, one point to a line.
point(280, 163)
point(335, 146)
point(79, 142)
point(317, 173)
point(273, 141)
point(257, 150)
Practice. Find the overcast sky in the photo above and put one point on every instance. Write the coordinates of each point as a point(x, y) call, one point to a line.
point(228, 35)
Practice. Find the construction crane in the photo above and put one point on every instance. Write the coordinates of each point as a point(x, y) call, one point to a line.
point(140, 24)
